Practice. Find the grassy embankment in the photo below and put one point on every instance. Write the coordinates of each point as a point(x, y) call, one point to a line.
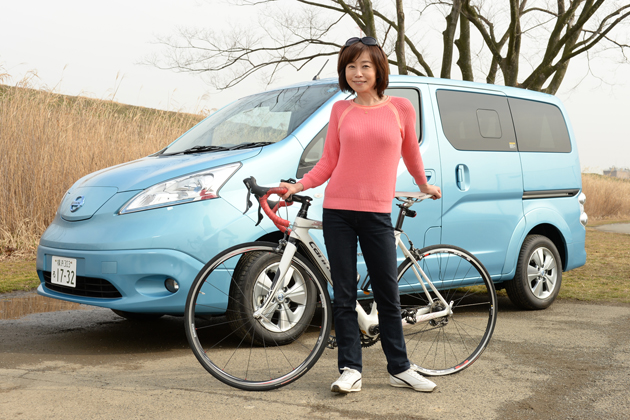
point(606, 275)
point(49, 141)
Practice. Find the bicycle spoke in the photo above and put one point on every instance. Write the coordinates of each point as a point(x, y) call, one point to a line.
point(449, 343)
point(262, 353)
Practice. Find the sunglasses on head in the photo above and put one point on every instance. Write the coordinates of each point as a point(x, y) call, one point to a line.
point(366, 40)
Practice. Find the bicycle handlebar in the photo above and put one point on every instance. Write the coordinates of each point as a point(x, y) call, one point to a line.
point(262, 195)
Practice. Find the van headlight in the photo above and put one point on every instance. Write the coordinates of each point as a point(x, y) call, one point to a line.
point(186, 189)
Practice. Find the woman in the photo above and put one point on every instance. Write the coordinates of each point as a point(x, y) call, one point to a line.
point(366, 137)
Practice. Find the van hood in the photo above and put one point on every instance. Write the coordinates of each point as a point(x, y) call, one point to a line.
point(143, 173)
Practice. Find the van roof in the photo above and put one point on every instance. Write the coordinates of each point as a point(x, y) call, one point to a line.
point(507, 90)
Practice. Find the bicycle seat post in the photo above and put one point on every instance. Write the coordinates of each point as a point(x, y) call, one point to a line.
point(404, 212)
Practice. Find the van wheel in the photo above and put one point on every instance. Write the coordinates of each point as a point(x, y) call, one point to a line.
point(538, 274)
point(290, 318)
point(137, 316)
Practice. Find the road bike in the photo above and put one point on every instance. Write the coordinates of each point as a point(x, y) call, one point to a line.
point(258, 316)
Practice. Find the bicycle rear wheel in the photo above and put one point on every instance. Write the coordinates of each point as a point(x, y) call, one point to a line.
point(449, 344)
point(249, 353)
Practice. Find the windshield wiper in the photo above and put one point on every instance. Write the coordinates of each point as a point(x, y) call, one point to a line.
point(250, 145)
point(199, 149)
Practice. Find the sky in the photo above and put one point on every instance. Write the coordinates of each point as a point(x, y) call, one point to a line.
point(95, 49)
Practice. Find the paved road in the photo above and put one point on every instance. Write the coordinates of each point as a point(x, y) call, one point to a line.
point(571, 361)
point(615, 228)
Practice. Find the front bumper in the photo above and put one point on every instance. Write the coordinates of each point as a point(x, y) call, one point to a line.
point(138, 275)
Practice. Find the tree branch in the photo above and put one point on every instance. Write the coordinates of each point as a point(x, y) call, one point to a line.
point(412, 47)
point(448, 37)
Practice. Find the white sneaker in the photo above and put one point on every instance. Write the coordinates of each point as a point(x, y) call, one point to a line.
point(349, 381)
point(411, 379)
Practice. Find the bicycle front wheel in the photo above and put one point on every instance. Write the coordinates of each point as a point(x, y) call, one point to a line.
point(249, 353)
point(448, 344)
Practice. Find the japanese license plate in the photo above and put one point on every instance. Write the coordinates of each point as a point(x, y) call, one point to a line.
point(64, 271)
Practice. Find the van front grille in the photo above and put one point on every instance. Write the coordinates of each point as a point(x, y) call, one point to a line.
point(86, 286)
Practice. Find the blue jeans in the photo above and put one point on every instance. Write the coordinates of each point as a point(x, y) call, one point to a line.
point(376, 236)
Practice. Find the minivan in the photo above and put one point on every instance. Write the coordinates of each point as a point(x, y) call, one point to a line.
point(133, 237)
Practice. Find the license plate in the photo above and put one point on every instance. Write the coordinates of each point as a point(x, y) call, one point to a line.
point(64, 271)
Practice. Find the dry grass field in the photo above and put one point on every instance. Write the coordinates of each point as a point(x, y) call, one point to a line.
point(49, 141)
point(606, 197)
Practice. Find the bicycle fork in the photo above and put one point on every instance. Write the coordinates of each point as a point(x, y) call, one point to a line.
point(275, 294)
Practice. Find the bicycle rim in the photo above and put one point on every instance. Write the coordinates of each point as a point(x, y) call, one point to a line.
point(449, 344)
point(256, 354)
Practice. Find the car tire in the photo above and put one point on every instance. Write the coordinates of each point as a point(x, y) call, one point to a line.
point(252, 274)
point(137, 316)
point(538, 274)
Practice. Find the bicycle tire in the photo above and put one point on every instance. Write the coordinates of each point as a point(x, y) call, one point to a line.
point(450, 344)
point(251, 354)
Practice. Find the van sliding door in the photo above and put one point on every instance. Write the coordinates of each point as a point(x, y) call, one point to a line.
point(481, 173)
point(425, 228)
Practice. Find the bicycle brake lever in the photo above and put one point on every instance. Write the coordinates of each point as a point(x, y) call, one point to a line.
point(248, 202)
point(260, 216)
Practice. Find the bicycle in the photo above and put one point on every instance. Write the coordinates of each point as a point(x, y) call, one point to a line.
point(258, 315)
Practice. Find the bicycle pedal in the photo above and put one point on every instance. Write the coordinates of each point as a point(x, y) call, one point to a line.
point(332, 342)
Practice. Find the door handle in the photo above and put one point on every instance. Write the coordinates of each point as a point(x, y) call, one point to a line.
point(429, 174)
point(461, 177)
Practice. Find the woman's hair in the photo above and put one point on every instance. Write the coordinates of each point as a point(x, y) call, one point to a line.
point(377, 55)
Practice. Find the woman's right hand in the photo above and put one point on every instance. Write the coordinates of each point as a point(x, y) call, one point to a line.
point(291, 189)
point(433, 190)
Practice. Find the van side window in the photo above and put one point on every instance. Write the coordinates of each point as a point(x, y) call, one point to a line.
point(312, 153)
point(489, 125)
point(315, 148)
point(414, 97)
point(539, 127)
point(476, 121)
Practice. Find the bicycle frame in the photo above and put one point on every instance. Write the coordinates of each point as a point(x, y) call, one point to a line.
point(300, 233)
point(279, 310)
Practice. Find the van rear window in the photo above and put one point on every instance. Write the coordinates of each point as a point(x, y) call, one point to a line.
point(476, 121)
point(540, 127)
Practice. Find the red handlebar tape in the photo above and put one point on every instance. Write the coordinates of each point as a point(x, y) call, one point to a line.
point(280, 223)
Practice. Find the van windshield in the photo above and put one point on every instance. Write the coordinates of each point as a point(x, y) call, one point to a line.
point(255, 120)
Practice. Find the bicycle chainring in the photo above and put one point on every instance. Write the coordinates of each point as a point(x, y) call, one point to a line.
point(367, 341)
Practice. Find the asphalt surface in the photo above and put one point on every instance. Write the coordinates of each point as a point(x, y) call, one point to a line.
point(571, 361)
point(615, 228)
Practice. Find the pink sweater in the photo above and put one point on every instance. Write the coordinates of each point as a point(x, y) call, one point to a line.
point(361, 154)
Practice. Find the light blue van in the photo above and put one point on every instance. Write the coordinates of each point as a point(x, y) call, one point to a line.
point(134, 236)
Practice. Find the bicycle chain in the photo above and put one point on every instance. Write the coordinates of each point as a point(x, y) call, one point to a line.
point(367, 341)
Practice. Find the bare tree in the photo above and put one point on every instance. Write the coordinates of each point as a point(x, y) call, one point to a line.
point(296, 32)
